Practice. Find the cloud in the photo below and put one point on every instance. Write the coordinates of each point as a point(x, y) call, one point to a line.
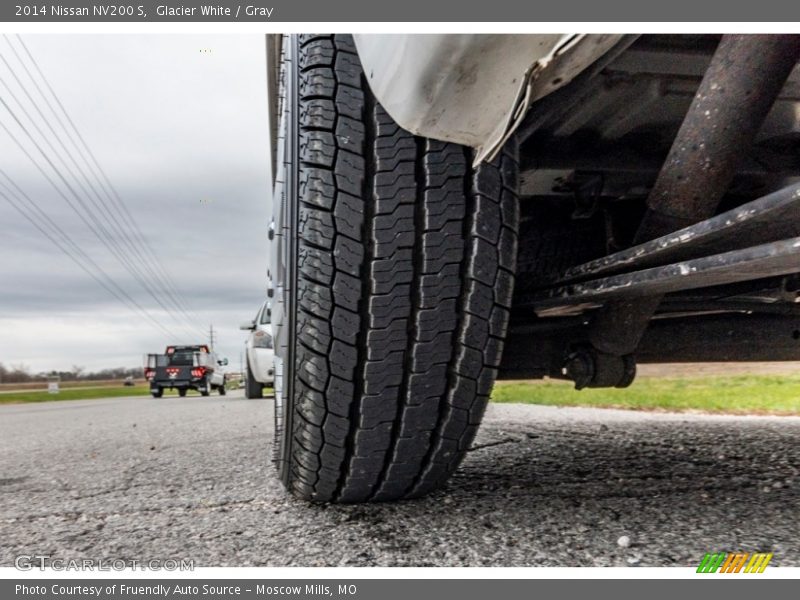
point(182, 136)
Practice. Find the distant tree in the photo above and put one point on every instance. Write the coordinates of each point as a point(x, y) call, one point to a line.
point(18, 374)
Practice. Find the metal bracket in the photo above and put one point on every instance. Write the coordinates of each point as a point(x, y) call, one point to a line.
point(590, 368)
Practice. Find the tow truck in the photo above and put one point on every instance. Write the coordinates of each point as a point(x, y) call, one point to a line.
point(185, 368)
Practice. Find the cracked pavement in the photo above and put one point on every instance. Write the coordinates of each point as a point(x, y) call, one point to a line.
point(143, 478)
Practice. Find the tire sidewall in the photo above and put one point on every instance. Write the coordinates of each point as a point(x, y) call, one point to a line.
point(283, 259)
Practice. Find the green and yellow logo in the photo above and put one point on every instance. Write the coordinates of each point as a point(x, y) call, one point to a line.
point(730, 562)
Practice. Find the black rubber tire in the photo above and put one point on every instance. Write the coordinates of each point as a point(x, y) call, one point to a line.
point(221, 389)
point(158, 394)
point(404, 272)
point(252, 388)
point(182, 392)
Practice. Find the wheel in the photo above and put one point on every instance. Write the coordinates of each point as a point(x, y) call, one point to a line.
point(393, 287)
point(221, 389)
point(182, 392)
point(252, 388)
point(157, 393)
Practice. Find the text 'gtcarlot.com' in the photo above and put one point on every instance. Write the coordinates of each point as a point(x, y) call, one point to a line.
point(29, 562)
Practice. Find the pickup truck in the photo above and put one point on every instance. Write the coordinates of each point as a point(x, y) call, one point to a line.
point(185, 368)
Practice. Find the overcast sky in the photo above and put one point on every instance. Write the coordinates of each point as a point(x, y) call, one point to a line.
point(179, 125)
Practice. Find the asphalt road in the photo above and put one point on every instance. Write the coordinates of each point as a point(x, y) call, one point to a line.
point(138, 478)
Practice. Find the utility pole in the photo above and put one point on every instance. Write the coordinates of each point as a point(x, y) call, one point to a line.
point(211, 336)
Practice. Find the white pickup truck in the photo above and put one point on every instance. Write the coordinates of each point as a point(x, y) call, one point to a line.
point(260, 354)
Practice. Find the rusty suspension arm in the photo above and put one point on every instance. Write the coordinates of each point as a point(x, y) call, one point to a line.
point(737, 92)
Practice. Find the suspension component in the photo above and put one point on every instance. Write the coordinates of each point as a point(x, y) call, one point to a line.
point(738, 90)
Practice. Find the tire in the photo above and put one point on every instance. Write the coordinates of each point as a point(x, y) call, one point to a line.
point(394, 287)
point(221, 389)
point(182, 392)
point(252, 388)
point(158, 393)
point(206, 390)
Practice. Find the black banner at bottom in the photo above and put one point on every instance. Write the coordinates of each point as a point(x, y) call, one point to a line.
point(384, 589)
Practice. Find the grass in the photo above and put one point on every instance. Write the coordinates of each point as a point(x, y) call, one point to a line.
point(744, 394)
point(36, 386)
point(91, 393)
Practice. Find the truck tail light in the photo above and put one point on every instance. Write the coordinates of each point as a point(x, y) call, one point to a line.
point(149, 373)
point(198, 372)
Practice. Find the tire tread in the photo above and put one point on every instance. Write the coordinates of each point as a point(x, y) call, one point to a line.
point(406, 266)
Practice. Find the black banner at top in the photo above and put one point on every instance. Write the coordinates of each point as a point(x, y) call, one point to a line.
point(222, 11)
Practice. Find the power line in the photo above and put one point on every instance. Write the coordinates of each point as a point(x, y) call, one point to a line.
point(135, 268)
point(99, 204)
point(95, 227)
point(68, 247)
point(118, 206)
point(114, 196)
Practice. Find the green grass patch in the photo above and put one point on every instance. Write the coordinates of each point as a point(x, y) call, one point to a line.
point(80, 394)
point(117, 391)
point(37, 386)
point(745, 394)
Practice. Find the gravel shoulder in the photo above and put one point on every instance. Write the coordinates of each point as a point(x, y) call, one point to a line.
point(139, 478)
